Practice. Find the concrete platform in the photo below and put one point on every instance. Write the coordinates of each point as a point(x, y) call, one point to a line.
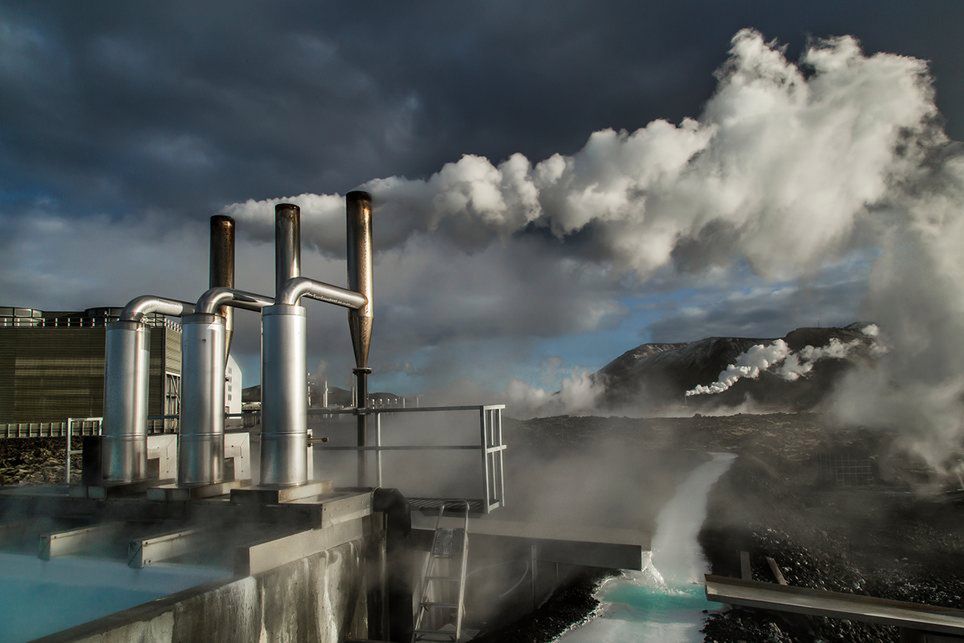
point(181, 493)
point(567, 544)
point(115, 489)
point(278, 495)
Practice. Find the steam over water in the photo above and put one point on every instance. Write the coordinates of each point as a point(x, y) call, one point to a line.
point(664, 602)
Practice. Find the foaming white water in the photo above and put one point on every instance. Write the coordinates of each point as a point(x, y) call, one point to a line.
point(676, 549)
point(664, 601)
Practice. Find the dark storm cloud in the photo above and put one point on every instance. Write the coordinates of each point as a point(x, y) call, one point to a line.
point(182, 107)
point(764, 312)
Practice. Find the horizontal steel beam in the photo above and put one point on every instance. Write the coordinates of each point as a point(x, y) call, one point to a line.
point(408, 409)
point(143, 552)
point(62, 543)
point(801, 600)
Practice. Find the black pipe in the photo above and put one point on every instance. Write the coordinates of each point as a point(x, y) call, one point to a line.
point(399, 567)
point(361, 409)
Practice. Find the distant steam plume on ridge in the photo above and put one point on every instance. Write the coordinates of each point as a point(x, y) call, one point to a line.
point(788, 364)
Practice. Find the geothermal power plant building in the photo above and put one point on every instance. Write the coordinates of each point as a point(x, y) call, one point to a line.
point(52, 366)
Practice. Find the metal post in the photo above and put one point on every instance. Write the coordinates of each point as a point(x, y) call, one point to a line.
point(361, 375)
point(485, 457)
point(67, 476)
point(378, 443)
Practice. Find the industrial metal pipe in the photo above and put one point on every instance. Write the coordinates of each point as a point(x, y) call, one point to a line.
point(221, 268)
point(358, 211)
point(203, 340)
point(147, 304)
point(298, 287)
point(124, 445)
point(284, 396)
point(217, 299)
point(360, 279)
point(127, 356)
point(284, 383)
point(201, 441)
point(287, 244)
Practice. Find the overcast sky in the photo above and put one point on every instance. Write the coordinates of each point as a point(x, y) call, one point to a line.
point(124, 125)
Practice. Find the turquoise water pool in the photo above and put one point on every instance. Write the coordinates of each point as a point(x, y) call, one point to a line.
point(635, 608)
point(39, 597)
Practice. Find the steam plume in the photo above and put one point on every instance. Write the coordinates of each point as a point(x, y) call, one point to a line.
point(793, 365)
point(749, 365)
point(790, 166)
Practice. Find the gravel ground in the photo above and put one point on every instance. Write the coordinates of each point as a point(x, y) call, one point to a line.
point(35, 460)
point(879, 540)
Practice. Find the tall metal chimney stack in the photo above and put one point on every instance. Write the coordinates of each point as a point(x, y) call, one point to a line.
point(222, 268)
point(359, 219)
point(284, 399)
point(287, 249)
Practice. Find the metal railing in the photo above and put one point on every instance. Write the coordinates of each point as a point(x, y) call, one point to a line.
point(95, 423)
point(58, 429)
point(490, 445)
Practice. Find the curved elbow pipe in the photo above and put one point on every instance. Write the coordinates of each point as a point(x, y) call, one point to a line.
point(298, 287)
point(137, 308)
point(214, 298)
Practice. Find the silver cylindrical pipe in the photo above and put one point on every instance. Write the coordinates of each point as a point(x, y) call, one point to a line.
point(221, 268)
point(360, 278)
point(284, 396)
point(146, 304)
point(127, 361)
point(124, 446)
point(287, 244)
point(298, 287)
point(201, 443)
point(217, 299)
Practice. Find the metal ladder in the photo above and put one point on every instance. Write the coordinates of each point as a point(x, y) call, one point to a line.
point(450, 548)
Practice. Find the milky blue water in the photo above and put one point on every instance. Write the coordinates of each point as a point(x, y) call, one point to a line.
point(635, 609)
point(664, 602)
point(39, 597)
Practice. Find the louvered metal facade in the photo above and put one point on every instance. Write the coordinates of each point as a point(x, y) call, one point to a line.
point(52, 364)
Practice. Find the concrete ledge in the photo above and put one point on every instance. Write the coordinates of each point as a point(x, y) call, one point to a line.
point(181, 493)
point(277, 495)
point(115, 489)
point(264, 556)
point(566, 544)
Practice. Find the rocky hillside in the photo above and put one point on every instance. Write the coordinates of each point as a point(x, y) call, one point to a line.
point(658, 375)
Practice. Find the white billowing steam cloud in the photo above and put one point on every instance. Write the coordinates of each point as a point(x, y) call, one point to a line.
point(781, 167)
point(749, 365)
point(577, 395)
point(789, 166)
point(793, 365)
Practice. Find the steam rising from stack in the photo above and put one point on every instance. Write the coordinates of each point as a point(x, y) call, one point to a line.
point(789, 167)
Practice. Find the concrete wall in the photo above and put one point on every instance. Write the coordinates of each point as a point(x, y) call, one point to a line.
point(318, 598)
